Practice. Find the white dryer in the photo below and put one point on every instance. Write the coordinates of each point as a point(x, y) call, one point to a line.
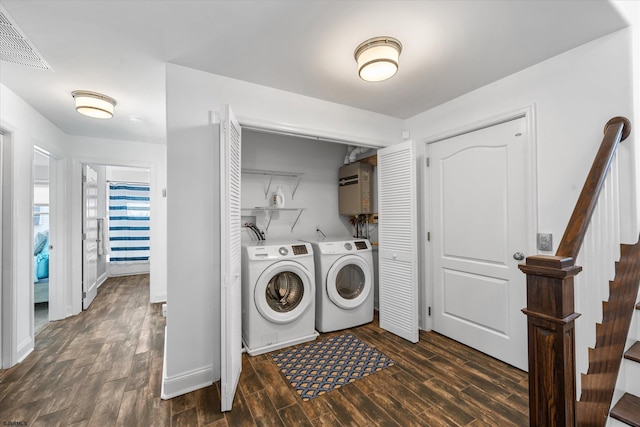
point(344, 283)
point(278, 295)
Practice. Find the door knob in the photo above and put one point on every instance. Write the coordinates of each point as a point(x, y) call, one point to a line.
point(518, 256)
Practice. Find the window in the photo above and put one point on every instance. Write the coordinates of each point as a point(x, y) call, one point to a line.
point(129, 222)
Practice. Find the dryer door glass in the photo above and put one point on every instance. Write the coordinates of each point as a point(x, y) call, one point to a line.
point(284, 291)
point(350, 281)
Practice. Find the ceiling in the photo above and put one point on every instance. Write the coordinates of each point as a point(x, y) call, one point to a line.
point(119, 48)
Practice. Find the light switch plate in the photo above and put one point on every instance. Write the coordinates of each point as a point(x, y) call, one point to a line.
point(545, 241)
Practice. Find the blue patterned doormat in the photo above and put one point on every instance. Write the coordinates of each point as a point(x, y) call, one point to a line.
point(320, 367)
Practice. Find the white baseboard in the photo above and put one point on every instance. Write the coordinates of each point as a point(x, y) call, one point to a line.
point(24, 349)
point(158, 298)
point(128, 269)
point(103, 277)
point(186, 382)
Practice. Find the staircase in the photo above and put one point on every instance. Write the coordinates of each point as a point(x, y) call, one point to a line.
point(613, 374)
point(606, 358)
point(627, 410)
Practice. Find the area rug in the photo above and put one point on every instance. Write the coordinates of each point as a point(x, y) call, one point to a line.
point(322, 366)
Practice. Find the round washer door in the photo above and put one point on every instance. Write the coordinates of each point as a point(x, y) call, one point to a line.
point(349, 281)
point(283, 292)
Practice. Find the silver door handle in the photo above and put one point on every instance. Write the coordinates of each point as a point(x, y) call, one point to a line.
point(518, 256)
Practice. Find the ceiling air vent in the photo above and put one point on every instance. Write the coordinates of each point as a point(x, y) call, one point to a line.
point(15, 47)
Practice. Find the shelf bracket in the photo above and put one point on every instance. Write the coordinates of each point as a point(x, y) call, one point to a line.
point(269, 215)
point(297, 218)
point(266, 190)
point(295, 188)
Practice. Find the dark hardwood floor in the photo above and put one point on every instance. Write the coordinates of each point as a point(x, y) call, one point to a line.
point(104, 367)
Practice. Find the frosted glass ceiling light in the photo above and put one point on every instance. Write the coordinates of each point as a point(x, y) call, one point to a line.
point(94, 104)
point(377, 58)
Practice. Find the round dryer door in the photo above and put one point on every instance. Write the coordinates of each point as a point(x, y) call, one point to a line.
point(349, 282)
point(283, 292)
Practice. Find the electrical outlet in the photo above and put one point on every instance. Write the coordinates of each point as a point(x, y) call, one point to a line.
point(545, 241)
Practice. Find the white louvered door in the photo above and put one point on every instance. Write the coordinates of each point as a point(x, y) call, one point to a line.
point(398, 241)
point(231, 311)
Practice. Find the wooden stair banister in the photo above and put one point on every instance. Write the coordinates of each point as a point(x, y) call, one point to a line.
point(550, 300)
point(616, 130)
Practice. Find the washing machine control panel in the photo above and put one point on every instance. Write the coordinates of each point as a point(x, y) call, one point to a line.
point(278, 251)
point(348, 246)
point(300, 249)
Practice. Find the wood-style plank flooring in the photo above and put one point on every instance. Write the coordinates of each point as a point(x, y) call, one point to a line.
point(104, 367)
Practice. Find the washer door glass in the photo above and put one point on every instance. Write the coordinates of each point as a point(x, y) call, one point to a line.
point(349, 281)
point(284, 292)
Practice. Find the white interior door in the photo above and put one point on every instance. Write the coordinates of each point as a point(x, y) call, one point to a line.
point(478, 213)
point(89, 236)
point(231, 302)
point(398, 241)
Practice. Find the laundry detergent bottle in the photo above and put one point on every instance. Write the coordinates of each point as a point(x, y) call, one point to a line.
point(278, 198)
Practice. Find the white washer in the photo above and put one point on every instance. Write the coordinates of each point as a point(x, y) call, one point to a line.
point(278, 295)
point(344, 283)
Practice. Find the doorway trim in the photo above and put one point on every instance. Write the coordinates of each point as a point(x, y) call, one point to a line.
point(8, 290)
point(56, 234)
point(75, 215)
point(531, 221)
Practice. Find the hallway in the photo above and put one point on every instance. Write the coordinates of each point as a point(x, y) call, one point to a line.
point(104, 367)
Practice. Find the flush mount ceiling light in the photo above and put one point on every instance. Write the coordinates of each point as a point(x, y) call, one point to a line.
point(377, 58)
point(94, 104)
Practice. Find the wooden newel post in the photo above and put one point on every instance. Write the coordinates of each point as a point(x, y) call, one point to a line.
point(550, 322)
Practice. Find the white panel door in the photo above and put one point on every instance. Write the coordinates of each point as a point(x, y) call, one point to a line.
point(478, 214)
point(398, 241)
point(89, 236)
point(231, 309)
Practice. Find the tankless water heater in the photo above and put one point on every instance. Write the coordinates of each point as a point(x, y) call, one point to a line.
point(355, 188)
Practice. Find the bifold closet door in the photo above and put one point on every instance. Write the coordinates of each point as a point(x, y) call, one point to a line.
point(231, 303)
point(398, 240)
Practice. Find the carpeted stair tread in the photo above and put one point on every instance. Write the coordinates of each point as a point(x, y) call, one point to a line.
point(627, 410)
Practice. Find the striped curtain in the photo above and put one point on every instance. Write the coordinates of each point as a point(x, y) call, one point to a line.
point(129, 222)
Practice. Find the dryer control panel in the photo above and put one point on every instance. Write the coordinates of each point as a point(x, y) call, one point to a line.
point(360, 245)
point(337, 247)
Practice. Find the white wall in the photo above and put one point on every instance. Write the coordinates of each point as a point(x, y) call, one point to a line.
point(192, 339)
point(630, 10)
point(25, 128)
point(127, 174)
point(629, 375)
point(574, 95)
point(317, 193)
point(124, 153)
point(266, 107)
